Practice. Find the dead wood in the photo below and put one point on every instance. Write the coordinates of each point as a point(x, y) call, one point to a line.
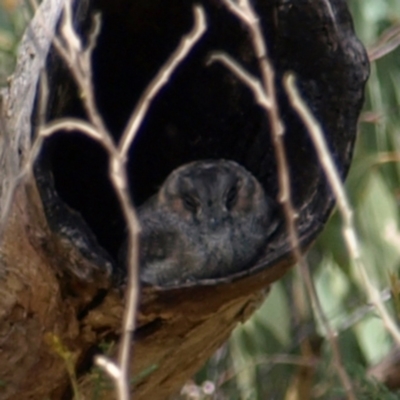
point(45, 308)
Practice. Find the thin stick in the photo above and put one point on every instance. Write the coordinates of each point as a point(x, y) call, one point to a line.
point(246, 13)
point(70, 124)
point(135, 121)
point(249, 80)
point(387, 42)
point(344, 207)
point(163, 76)
point(78, 60)
point(275, 359)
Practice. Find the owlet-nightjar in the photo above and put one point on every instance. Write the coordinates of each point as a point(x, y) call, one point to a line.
point(209, 219)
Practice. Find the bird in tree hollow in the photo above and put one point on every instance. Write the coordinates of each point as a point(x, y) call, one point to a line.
point(209, 219)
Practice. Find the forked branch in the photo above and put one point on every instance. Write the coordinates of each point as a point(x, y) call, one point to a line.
point(332, 174)
point(78, 59)
point(265, 93)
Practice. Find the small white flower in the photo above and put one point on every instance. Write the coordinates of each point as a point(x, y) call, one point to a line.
point(208, 388)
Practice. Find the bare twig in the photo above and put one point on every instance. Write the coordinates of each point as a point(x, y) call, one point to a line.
point(388, 42)
point(266, 97)
point(249, 80)
point(163, 76)
point(78, 60)
point(387, 157)
point(70, 124)
point(112, 369)
point(344, 207)
point(275, 359)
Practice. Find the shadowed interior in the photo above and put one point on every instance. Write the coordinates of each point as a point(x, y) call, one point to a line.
point(204, 112)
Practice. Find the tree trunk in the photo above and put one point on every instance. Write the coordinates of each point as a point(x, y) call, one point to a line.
point(60, 306)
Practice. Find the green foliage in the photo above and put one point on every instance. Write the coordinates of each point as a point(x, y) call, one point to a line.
point(368, 389)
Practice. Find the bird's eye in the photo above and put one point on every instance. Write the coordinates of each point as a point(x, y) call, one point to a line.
point(231, 197)
point(190, 203)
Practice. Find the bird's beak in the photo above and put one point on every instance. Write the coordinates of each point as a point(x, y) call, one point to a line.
point(214, 223)
point(216, 219)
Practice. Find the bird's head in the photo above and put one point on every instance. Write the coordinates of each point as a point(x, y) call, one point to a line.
point(213, 193)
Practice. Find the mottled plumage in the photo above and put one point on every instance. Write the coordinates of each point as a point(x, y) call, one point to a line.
point(209, 219)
